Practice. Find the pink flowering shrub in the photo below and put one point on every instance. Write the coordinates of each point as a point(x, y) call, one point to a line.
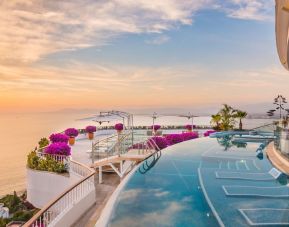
point(174, 138)
point(155, 127)
point(160, 141)
point(58, 137)
point(58, 148)
point(71, 132)
point(118, 127)
point(90, 129)
point(189, 127)
point(209, 132)
point(139, 146)
point(189, 135)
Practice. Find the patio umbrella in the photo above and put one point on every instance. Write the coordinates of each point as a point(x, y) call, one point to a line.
point(101, 118)
point(188, 116)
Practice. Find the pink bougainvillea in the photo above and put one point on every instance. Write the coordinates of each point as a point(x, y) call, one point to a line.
point(174, 138)
point(58, 148)
point(71, 132)
point(118, 127)
point(90, 129)
point(209, 132)
point(189, 135)
point(58, 137)
point(155, 127)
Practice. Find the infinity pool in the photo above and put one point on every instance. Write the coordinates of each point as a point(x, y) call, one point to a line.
point(203, 182)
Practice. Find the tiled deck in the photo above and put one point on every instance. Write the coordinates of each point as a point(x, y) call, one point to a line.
point(277, 159)
point(103, 192)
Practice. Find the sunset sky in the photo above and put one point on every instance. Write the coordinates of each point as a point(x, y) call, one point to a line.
point(137, 54)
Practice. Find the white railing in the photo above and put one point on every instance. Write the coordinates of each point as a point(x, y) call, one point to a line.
point(79, 169)
point(112, 145)
point(64, 159)
point(56, 209)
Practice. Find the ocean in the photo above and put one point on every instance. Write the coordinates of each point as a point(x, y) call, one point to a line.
point(19, 134)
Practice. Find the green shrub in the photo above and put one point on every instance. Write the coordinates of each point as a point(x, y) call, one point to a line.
point(4, 222)
point(23, 215)
point(43, 142)
point(33, 160)
point(45, 164)
point(13, 202)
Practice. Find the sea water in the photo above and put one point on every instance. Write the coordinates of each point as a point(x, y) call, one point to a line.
point(19, 134)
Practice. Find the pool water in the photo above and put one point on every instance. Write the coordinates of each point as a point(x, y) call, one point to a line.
point(203, 182)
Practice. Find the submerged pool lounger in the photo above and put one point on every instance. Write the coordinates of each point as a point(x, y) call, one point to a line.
point(265, 216)
point(271, 175)
point(253, 191)
point(244, 176)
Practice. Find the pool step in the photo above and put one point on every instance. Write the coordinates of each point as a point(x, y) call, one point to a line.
point(242, 165)
point(253, 191)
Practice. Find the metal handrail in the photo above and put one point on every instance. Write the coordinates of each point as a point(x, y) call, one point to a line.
point(262, 126)
point(37, 217)
point(102, 140)
point(109, 150)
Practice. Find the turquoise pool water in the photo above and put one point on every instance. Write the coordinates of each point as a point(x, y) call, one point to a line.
point(204, 182)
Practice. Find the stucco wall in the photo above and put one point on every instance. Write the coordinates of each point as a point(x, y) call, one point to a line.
point(43, 186)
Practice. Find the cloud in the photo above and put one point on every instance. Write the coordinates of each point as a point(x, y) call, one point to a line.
point(31, 29)
point(158, 40)
point(249, 9)
point(163, 216)
point(90, 77)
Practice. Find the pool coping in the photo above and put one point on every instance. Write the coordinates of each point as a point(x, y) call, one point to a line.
point(110, 205)
point(219, 220)
point(277, 159)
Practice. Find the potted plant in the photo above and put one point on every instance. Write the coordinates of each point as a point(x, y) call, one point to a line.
point(155, 128)
point(71, 133)
point(90, 130)
point(189, 128)
point(118, 127)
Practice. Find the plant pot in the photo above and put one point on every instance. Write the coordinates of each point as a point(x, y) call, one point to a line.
point(71, 141)
point(190, 130)
point(119, 131)
point(90, 135)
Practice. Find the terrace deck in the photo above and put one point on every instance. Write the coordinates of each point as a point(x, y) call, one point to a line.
point(277, 159)
point(125, 157)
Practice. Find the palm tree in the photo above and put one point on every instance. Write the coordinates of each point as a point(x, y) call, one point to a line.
point(227, 114)
point(216, 118)
point(240, 114)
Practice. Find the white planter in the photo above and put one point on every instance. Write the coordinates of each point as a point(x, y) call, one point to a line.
point(43, 186)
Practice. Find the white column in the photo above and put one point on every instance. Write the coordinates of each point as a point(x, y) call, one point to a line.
point(100, 174)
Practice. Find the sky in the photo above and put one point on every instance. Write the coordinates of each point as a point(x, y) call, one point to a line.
point(119, 54)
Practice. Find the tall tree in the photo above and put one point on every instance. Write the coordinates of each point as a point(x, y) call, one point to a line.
point(241, 115)
point(216, 118)
point(227, 114)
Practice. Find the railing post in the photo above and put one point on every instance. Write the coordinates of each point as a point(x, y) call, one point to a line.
point(92, 153)
point(121, 167)
point(100, 174)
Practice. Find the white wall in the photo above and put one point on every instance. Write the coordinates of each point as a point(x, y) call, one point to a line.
point(42, 186)
point(77, 209)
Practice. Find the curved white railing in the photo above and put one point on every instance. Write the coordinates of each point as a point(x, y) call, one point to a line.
point(64, 159)
point(56, 209)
